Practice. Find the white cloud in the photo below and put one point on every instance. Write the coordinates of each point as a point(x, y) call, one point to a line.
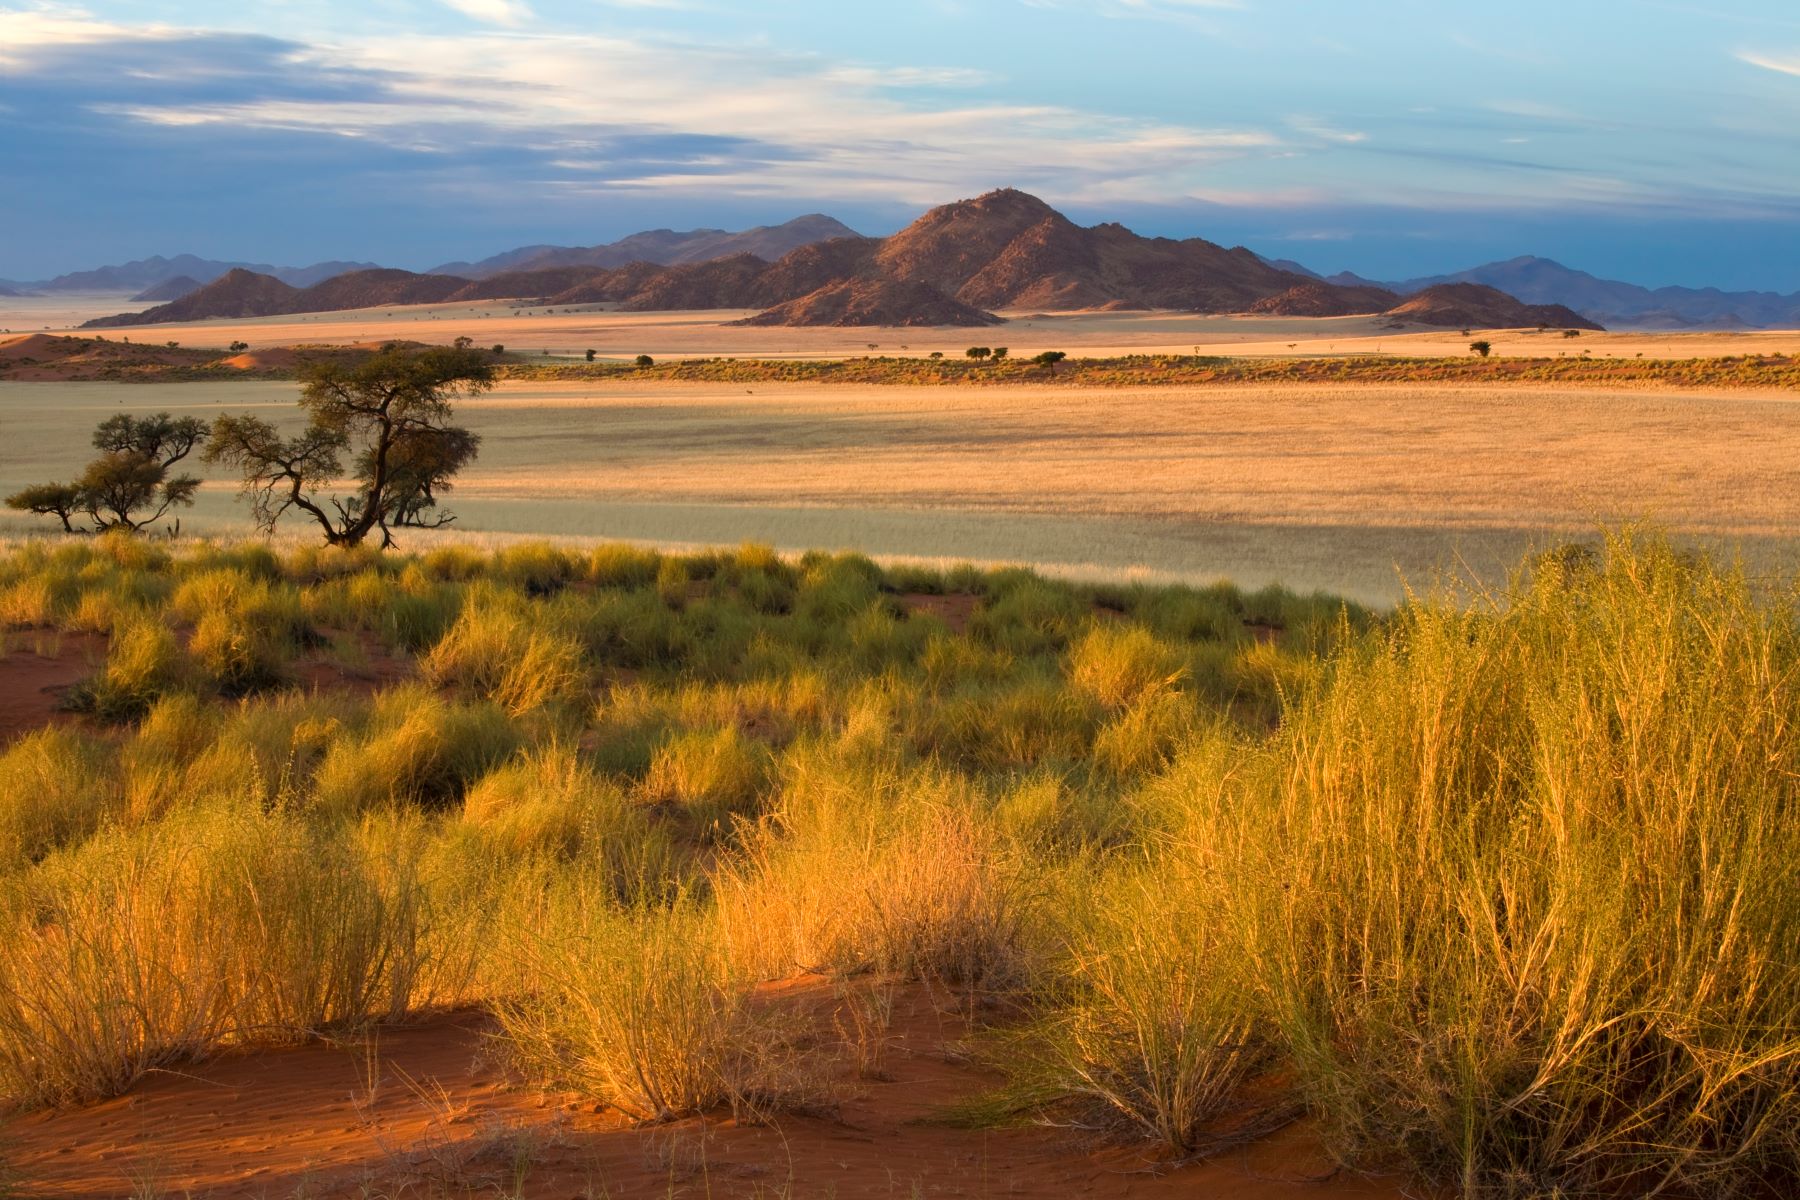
point(1314, 128)
point(494, 12)
point(22, 31)
point(760, 123)
point(1788, 64)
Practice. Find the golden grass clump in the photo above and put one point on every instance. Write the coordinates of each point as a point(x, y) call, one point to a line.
point(415, 749)
point(710, 776)
point(640, 1008)
point(1517, 884)
point(865, 868)
point(550, 802)
point(57, 787)
point(155, 946)
point(499, 652)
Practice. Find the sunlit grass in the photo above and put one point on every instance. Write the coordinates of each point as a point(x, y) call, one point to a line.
point(1497, 888)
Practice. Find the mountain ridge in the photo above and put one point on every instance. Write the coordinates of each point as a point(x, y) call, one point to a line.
point(663, 247)
point(955, 264)
point(1538, 280)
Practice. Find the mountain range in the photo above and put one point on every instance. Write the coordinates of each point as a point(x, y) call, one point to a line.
point(665, 247)
point(148, 273)
point(952, 266)
point(1609, 302)
point(1534, 280)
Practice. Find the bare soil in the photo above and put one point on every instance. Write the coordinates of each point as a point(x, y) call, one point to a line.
point(36, 673)
point(429, 1110)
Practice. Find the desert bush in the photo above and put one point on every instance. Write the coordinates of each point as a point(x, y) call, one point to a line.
point(245, 628)
point(156, 946)
point(1123, 666)
point(1025, 615)
point(537, 568)
point(1026, 724)
point(1156, 1034)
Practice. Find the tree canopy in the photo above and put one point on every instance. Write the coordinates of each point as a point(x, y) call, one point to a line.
point(131, 484)
point(390, 417)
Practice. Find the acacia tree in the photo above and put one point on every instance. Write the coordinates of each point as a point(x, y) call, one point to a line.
point(389, 415)
point(130, 485)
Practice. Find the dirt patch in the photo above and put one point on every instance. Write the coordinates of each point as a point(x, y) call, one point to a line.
point(1263, 633)
point(426, 1110)
point(354, 662)
point(954, 610)
point(36, 674)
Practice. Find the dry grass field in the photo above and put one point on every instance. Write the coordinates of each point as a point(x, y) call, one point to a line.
point(613, 334)
point(1343, 488)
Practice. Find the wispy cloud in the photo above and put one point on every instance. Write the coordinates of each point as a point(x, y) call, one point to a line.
point(1786, 64)
point(494, 12)
point(770, 124)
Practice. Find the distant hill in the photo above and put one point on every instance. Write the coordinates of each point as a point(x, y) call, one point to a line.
point(1545, 281)
point(664, 247)
point(242, 293)
point(955, 265)
point(170, 289)
point(1609, 302)
point(146, 274)
point(1476, 306)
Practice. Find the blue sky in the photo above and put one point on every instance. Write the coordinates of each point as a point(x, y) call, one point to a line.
point(1652, 140)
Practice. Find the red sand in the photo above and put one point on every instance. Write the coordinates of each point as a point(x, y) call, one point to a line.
point(442, 1117)
point(953, 610)
point(35, 676)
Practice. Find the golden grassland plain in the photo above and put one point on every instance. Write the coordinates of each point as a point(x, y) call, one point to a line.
point(1495, 892)
point(570, 332)
point(1346, 487)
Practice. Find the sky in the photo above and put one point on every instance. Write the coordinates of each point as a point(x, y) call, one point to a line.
point(1656, 141)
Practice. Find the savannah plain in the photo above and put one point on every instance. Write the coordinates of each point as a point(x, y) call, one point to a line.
point(1358, 489)
point(717, 810)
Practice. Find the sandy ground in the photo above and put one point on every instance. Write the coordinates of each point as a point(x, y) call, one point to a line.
point(37, 668)
point(1340, 488)
point(426, 1111)
point(571, 332)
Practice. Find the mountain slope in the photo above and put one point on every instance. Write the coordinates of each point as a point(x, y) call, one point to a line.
point(1008, 249)
point(887, 302)
point(1476, 306)
point(664, 247)
point(170, 289)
